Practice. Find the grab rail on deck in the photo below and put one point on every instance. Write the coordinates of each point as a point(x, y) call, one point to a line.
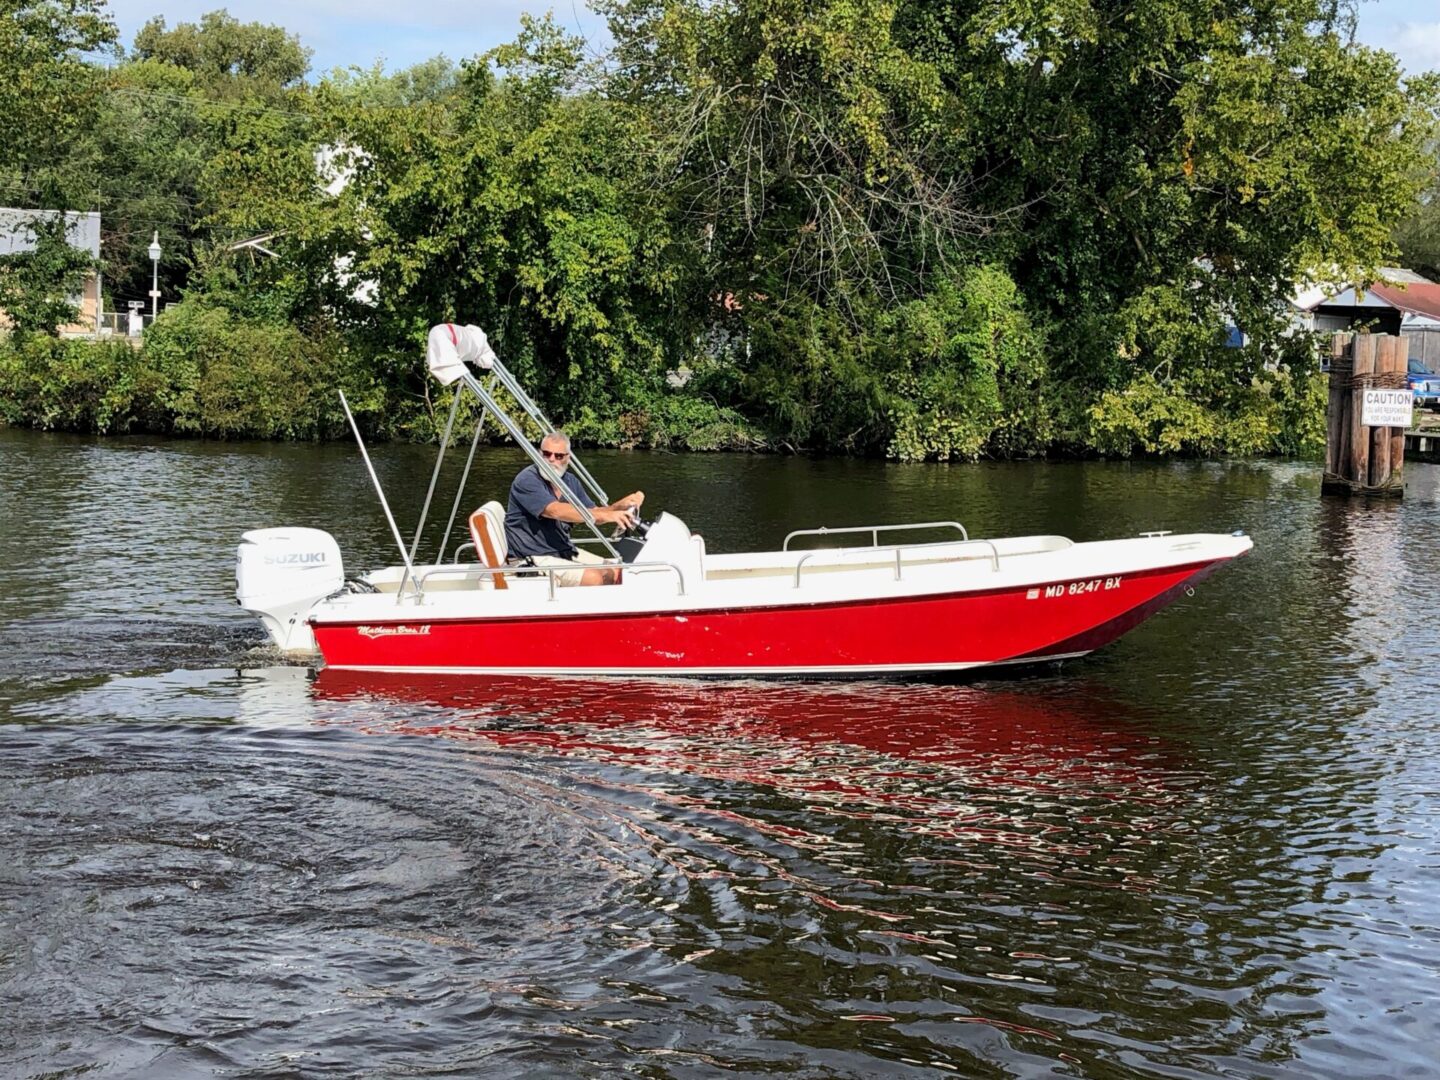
point(548, 571)
point(899, 552)
point(875, 531)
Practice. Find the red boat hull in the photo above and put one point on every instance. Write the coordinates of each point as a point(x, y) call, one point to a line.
point(942, 632)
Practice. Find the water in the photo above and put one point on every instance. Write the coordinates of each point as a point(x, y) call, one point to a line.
point(1209, 850)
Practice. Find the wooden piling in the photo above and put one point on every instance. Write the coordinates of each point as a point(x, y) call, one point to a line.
point(1337, 442)
point(1361, 459)
point(1380, 436)
point(1397, 435)
point(1357, 469)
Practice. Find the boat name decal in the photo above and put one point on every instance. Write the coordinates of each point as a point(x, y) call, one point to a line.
point(1074, 588)
point(372, 632)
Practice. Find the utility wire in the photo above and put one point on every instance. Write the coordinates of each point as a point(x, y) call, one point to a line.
point(206, 102)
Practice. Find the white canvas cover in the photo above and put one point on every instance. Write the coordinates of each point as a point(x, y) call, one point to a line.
point(451, 347)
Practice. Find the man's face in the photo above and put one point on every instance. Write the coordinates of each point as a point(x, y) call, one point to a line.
point(556, 454)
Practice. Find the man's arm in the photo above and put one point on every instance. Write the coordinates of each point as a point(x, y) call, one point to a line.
point(623, 512)
point(629, 502)
point(603, 515)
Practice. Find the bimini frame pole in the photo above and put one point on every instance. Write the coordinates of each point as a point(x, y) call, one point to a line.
point(434, 476)
point(525, 402)
point(464, 478)
point(394, 529)
point(514, 431)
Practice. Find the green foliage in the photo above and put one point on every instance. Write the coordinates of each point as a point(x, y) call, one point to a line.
point(954, 375)
point(1276, 411)
point(224, 376)
point(428, 81)
point(1418, 233)
point(202, 371)
point(46, 86)
point(226, 54)
point(805, 144)
point(74, 385)
point(920, 228)
point(37, 287)
point(513, 205)
point(142, 161)
point(671, 421)
point(967, 373)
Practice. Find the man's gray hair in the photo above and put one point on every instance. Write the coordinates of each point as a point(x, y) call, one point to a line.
point(557, 436)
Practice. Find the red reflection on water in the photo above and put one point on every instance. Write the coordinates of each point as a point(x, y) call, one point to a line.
point(1013, 772)
point(806, 732)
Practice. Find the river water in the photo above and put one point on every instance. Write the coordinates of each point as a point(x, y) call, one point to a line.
point(1212, 849)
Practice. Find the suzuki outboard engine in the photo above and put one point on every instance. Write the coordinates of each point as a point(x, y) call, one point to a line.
point(280, 573)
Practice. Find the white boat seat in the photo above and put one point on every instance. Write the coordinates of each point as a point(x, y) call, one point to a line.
point(487, 530)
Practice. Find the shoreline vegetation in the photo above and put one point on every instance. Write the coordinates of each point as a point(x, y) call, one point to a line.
point(901, 229)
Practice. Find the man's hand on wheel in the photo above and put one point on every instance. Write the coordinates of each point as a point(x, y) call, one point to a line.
point(625, 518)
point(627, 510)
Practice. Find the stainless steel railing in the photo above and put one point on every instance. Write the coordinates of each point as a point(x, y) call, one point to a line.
point(875, 531)
point(900, 551)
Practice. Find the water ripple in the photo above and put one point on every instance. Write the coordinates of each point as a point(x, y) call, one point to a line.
point(1205, 851)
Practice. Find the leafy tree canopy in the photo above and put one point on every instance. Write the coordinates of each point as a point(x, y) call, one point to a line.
point(928, 228)
point(225, 53)
point(47, 87)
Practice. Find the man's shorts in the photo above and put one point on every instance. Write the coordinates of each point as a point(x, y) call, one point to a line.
point(569, 577)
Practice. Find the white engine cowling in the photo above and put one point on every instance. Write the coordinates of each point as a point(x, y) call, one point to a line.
point(280, 573)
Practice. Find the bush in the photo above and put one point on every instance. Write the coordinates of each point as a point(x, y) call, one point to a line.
point(967, 373)
point(201, 371)
point(673, 420)
point(58, 384)
point(1274, 412)
point(226, 377)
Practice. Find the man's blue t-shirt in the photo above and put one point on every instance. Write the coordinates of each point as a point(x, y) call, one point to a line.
point(526, 532)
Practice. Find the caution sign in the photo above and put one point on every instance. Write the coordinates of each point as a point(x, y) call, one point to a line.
point(1387, 408)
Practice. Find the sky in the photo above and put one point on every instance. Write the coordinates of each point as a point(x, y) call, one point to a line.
point(343, 33)
point(359, 32)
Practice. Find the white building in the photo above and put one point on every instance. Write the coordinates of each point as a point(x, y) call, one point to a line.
point(82, 229)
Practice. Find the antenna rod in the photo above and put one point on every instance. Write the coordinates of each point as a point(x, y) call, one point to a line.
point(394, 529)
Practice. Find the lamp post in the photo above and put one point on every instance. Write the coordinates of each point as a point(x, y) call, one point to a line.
point(155, 275)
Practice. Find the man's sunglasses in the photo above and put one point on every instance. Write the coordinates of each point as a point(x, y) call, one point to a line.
point(555, 455)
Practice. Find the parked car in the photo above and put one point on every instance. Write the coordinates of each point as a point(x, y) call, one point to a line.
point(1425, 384)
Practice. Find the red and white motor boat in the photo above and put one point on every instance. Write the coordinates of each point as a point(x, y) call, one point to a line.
point(876, 608)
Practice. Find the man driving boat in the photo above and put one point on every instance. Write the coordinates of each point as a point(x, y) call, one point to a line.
point(538, 518)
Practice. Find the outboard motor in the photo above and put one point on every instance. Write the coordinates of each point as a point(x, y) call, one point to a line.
point(280, 574)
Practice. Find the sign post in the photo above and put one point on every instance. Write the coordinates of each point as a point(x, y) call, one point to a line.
point(1387, 408)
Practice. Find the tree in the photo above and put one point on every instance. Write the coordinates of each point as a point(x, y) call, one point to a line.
point(513, 203)
point(1219, 152)
point(47, 89)
point(1418, 235)
point(804, 148)
point(428, 81)
point(156, 158)
point(227, 56)
point(139, 164)
point(36, 286)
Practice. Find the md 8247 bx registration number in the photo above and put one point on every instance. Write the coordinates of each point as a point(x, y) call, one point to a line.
point(1074, 588)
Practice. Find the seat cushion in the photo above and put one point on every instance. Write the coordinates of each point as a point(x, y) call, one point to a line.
point(492, 514)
